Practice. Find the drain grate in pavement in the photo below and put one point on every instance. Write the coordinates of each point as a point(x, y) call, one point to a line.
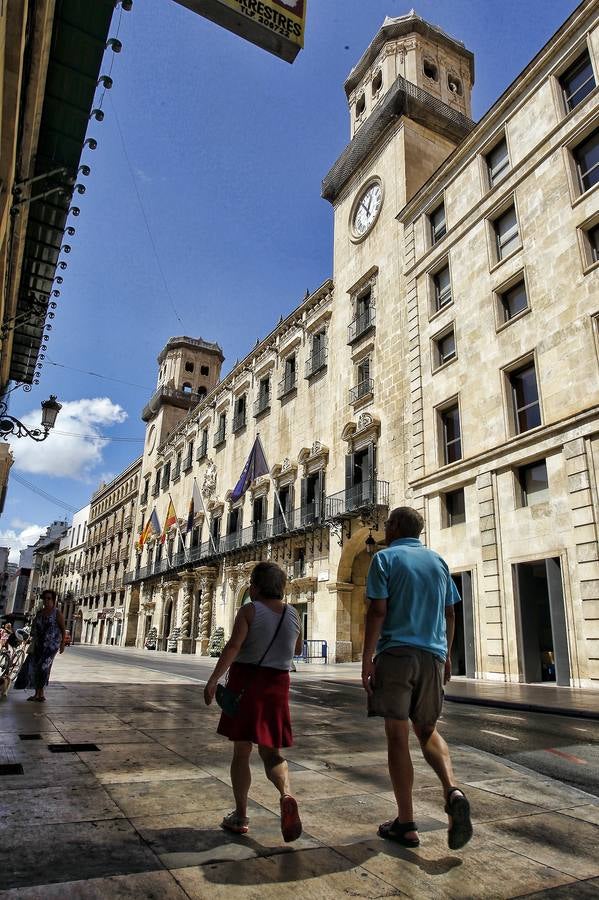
point(11, 769)
point(72, 748)
point(30, 737)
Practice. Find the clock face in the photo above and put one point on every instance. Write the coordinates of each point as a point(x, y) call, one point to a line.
point(367, 209)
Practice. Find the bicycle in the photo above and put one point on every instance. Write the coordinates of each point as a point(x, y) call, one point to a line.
point(12, 657)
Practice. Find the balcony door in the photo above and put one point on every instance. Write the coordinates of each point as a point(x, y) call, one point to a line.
point(360, 481)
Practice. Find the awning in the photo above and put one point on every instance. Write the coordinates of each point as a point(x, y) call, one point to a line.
point(79, 35)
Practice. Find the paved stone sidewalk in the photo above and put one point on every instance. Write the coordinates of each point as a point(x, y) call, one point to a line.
point(139, 817)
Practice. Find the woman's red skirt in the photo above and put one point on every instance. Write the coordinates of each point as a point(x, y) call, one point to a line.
point(263, 715)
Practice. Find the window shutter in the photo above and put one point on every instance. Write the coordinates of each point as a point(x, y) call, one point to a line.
point(372, 471)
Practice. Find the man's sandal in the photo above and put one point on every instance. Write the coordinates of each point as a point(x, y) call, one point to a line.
point(394, 830)
point(236, 823)
point(458, 808)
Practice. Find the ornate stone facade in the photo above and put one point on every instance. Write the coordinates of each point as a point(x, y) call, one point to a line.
point(355, 394)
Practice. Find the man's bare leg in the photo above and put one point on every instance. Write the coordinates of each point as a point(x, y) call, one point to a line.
point(436, 753)
point(401, 769)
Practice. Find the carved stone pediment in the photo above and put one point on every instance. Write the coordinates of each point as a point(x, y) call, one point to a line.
point(286, 471)
point(366, 429)
point(260, 486)
point(314, 457)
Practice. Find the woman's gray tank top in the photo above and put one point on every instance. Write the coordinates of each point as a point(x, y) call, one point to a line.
point(260, 634)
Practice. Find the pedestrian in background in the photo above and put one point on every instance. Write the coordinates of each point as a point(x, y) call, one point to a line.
point(47, 639)
point(406, 661)
point(258, 656)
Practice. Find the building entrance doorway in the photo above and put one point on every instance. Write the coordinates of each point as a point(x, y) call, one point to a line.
point(168, 615)
point(463, 656)
point(302, 614)
point(542, 633)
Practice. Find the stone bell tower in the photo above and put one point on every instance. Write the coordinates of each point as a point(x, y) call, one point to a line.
point(423, 54)
point(188, 369)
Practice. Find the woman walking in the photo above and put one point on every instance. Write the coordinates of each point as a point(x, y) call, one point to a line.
point(48, 637)
point(258, 656)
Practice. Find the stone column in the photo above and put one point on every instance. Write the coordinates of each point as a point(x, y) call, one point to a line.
point(341, 594)
point(206, 580)
point(131, 624)
point(185, 642)
point(233, 579)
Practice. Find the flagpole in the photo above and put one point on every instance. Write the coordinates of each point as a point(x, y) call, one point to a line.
point(206, 516)
point(274, 485)
point(178, 526)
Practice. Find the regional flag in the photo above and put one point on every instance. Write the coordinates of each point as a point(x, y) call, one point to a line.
point(255, 466)
point(152, 527)
point(171, 519)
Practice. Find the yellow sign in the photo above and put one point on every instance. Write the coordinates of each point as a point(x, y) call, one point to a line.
point(275, 25)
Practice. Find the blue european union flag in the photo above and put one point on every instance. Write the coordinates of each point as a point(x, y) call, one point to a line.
point(255, 466)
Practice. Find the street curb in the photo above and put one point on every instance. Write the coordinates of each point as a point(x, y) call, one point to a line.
point(521, 705)
point(527, 707)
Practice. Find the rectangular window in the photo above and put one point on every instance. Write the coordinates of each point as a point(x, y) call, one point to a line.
point(203, 448)
point(263, 401)
point(498, 162)
point(239, 417)
point(444, 348)
point(365, 384)
point(578, 81)
point(215, 529)
point(442, 288)
point(451, 434)
point(586, 156)
point(513, 301)
point(525, 398)
point(455, 507)
point(507, 234)
point(533, 482)
point(289, 379)
point(219, 437)
point(593, 236)
point(438, 224)
point(318, 358)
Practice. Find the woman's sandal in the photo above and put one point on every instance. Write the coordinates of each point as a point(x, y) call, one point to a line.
point(291, 824)
point(394, 830)
point(458, 808)
point(236, 823)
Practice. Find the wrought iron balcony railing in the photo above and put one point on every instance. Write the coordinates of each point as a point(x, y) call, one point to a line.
point(176, 473)
point(363, 389)
point(219, 437)
point(287, 384)
point(296, 521)
point(359, 497)
point(316, 362)
point(188, 462)
point(261, 404)
point(361, 324)
point(202, 451)
point(156, 489)
point(239, 422)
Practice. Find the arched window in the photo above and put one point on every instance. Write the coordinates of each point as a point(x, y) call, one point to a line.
point(186, 388)
point(454, 84)
point(360, 105)
point(202, 392)
point(430, 70)
point(377, 82)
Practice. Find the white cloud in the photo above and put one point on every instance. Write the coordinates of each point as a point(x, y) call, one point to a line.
point(19, 536)
point(72, 455)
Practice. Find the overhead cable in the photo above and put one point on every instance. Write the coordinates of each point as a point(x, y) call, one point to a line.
point(36, 490)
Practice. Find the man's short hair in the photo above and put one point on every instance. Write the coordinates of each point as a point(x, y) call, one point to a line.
point(407, 521)
point(269, 580)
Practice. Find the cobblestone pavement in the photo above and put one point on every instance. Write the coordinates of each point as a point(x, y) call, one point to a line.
point(139, 817)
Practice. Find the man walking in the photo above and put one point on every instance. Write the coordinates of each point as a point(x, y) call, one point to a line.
point(406, 661)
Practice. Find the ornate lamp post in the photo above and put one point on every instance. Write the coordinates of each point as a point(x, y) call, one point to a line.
point(9, 425)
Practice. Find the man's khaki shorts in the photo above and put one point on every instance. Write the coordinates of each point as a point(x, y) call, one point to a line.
point(408, 684)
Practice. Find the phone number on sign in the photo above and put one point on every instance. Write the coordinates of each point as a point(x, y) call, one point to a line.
point(270, 18)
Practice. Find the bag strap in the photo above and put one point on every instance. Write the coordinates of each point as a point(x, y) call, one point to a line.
point(274, 637)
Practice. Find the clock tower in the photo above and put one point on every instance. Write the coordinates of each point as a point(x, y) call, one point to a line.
point(409, 100)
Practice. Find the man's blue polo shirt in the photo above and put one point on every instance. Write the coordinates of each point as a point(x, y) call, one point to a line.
point(417, 585)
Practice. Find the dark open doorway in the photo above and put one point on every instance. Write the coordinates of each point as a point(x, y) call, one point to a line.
point(463, 657)
point(542, 633)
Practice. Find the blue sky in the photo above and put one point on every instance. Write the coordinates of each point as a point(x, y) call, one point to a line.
point(203, 213)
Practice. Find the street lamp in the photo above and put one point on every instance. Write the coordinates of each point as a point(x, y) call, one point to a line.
point(370, 544)
point(9, 425)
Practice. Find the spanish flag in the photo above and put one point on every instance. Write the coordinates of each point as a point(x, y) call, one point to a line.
point(171, 519)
